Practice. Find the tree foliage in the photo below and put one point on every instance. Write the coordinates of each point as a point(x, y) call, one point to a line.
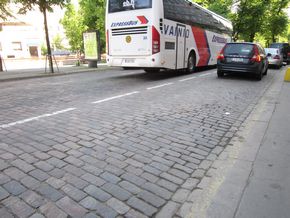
point(4, 10)
point(74, 27)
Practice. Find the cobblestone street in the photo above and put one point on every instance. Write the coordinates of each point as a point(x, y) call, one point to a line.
point(116, 143)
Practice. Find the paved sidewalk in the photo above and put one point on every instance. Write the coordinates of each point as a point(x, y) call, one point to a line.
point(251, 178)
point(40, 72)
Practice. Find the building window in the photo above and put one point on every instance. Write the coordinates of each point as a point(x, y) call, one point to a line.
point(16, 46)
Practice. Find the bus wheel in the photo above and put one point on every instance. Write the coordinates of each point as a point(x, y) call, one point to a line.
point(191, 63)
point(153, 70)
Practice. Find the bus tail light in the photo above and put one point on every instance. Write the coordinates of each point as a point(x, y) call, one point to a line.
point(155, 40)
point(107, 41)
point(277, 57)
point(256, 57)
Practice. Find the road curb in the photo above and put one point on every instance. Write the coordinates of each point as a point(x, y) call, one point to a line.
point(287, 75)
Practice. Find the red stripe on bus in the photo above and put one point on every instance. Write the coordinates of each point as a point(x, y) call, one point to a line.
point(202, 46)
point(142, 19)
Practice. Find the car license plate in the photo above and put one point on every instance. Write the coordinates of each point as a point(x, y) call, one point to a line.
point(129, 60)
point(237, 59)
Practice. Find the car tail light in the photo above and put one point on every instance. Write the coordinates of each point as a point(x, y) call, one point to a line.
point(256, 57)
point(288, 53)
point(155, 40)
point(221, 56)
point(277, 57)
point(107, 41)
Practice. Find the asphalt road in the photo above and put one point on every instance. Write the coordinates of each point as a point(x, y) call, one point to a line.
point(117, 142)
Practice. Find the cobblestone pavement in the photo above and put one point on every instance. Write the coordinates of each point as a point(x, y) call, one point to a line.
point(115, 143)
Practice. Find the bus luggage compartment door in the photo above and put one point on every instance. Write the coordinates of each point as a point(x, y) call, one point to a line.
point(180, 46)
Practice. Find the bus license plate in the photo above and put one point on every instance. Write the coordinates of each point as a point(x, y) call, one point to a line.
point(129, 60)
point(237, 59)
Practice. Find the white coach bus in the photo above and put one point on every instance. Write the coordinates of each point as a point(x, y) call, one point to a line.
point(163, 34)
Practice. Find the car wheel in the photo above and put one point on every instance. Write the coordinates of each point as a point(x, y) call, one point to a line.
point(191, 63)
point(259, 76)
point(220, 73)
point(266, 71)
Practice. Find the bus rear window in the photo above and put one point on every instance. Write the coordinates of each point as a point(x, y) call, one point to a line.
point(125, 5)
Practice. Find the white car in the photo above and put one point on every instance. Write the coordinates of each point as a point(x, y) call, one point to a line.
point(275, 57)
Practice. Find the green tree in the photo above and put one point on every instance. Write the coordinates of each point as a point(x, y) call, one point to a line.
point(57, 42)
point(74, 27)
point(276, 20)
point(4, 10)
point(93, 12)
point(44, 7)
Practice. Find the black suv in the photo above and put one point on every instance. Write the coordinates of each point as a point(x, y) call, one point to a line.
point(243, 57)
point(285, 50)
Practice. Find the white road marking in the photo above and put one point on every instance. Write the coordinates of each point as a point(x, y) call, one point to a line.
point(35, 118)
point(114, 97)
point(206, 74)
point(183, 80)
point(159, 86)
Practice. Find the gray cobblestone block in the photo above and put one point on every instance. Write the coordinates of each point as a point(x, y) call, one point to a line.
point(54, 182)
point(197, 151)
point(30, 182)
point(97, 193)
point(93, 179)
point(74, 170)
point(57, 154)
point(169, 210)
point(199, 173)
point(14, 187)
point(61, 148)
point(197, 156)
point(41, 155)
point(56, 162)
point(91, 215)
point(175, 159)
point(111, 178)
point(171, 178)
point(73, 192)
point(178, 173)
point(4, 178)
point(134, 163)
point(217, 150)
point(211, 157)
point(18, 207)
point(74, 153)
point(49, 192)
point(118, 206)
point(142, 206)
point(205, 164)
point(133, 179)
point(116, 156)
point(161, 192)
point(163, 161)
point(152, 170)
point(185, 209)
point(5, 213)
point(142, 159)
point(150, 198)
point(8, 156)
point(159, 166)
point(75, 181)
point(204, 183)
point(28, 158)
point(89, 203)
point(57, 173)
point(33, 199)
point(14, 173)
point(71, 143)
point(37, 215)
point(134, 214)
point(130, 187)
point(44, 166)
point(192, 166)
point(168, 185)
point(3, 193)
point(22, 165)
point(190, 183)
point(39, 175)
point(190, 159)
point(116, 191)
point(134, 170)
point(170, 152)
point(116, 162)
point(183, 168)
point(105, 211)
point(50, 210)
point(74, 161)
point(92, 169)
point(180, 195)
point(149, 177)
point(195, 196)
point(115, 170)
point(71, 207)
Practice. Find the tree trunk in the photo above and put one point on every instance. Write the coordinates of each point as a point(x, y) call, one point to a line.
point(47, 42)
point(273, 38)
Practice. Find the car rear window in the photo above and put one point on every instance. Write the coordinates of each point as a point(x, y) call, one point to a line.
point(272, 50)
point(239, 49)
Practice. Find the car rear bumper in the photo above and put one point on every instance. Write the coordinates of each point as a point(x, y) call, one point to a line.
point(253, 68)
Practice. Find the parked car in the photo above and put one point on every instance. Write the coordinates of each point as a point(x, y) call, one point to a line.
point(243, 57)
point(285, 49)
point(275, 57)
